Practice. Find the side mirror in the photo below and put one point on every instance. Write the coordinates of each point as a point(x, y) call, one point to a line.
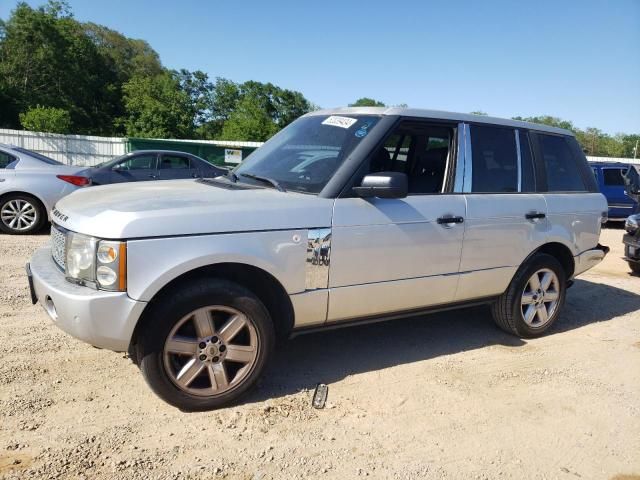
point(383, 185)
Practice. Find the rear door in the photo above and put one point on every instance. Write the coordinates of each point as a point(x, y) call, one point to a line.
point(137, 168)
point(505, 216)
point(175, 166)
point(612, 186)
point(6, 174)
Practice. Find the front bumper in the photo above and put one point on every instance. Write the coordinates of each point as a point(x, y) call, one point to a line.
point(589, 259)
point(103, 319)
point(631, 248)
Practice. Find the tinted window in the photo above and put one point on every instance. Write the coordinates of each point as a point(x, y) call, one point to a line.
point(613, 176)
point(174, 161)
point(495, 160)
point(563, 174)
point(419, 150)
point(526, 159)
point(5, 159)
point(140, 162)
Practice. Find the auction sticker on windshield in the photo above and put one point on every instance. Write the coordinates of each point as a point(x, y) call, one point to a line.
point(342, 122)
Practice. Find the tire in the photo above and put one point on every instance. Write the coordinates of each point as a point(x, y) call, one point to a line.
point(21, 214)
point(635, 267)
point(181, 360)
point(509, 311)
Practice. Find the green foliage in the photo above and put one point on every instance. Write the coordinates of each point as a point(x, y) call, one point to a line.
point(367, 102)
point(593, 141)
point(249, 121)
point(46, 119)
point(157, 107)
point(58, 74)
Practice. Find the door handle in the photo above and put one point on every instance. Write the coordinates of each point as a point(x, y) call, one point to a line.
point(153, 176)
point(2, 179)
point(535, 215)
point(449, 220)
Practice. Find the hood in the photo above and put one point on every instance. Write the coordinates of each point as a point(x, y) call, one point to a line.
point(186, 207)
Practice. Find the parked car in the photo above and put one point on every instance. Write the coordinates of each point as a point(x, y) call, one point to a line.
point(30, 184)
point(144, 165)
point(610, 182)
point(345, 216)
point(631, 239)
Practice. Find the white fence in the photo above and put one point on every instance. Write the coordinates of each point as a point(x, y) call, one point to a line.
point(68, 149)
point(635, 161)
point(85, 150)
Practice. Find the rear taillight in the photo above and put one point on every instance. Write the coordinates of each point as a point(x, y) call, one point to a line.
point(76, 180)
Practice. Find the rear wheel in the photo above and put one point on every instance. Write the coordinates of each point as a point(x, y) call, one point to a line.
point(21, 214)
point(206, 345)
point(533, 301)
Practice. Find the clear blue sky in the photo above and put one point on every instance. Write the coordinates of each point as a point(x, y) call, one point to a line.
point(578, 60)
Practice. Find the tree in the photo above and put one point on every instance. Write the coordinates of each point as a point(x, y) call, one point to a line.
point(367, 102)
point(249, 121)
point(157, 107)
point(46, 119)
point(46, 59)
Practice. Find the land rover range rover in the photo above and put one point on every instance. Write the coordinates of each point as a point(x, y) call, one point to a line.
point(345, 216)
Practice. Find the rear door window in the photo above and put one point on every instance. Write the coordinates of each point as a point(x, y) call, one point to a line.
point(613, 177)
point(495, 160)
point(563, 174)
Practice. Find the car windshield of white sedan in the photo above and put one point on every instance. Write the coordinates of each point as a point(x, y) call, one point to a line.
point(304, 156)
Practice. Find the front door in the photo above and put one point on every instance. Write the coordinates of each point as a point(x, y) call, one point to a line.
point(392, 255)
point(137, 168)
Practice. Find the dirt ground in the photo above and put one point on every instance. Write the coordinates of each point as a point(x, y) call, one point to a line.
point(444, 396)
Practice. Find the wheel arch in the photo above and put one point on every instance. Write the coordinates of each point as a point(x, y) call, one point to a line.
point(28, 194)
point(560, 252)
point(263, 284)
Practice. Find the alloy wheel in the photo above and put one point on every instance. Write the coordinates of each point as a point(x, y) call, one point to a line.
point(19, 214)
point(540, 298)
point(211, 350)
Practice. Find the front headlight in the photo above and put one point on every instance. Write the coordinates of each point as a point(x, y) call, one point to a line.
point(111, 271)
point(81, 252)
point(631, 224)
point(101, 263)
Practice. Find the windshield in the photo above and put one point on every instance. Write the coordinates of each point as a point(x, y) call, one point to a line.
point(305, 155)
point(37, 156)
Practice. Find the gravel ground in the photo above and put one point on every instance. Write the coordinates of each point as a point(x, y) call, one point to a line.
point(445, 396)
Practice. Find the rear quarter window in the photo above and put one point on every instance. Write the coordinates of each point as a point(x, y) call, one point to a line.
point(6, 159)
point(562, 170)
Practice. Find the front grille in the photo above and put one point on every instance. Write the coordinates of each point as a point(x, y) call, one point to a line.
point(58, 246)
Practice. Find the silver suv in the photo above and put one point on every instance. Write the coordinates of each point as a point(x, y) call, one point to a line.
point(345, 216)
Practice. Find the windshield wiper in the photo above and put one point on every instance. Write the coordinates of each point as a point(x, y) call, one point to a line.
point(231, 176)
point(265, 180)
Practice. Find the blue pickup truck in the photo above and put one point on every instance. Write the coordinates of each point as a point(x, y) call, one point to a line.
point(609, 177)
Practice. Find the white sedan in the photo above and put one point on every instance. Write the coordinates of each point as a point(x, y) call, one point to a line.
point(30, 185)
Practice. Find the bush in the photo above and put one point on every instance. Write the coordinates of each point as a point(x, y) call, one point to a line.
point(46, 119)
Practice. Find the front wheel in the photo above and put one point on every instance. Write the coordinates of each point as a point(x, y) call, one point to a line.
point(534, 298)
point(635, 267)
point(205, 345)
